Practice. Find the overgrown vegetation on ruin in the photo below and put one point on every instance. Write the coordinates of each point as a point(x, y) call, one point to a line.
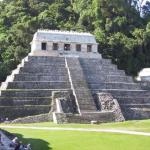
point(123, 35)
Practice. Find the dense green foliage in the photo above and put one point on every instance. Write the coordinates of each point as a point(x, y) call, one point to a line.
point(123, 35)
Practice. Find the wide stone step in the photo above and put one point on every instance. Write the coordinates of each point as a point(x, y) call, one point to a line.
point(42, 74)
point(99, 67)
point(98, 70)
point(48, 61)
point(43, 59)
point(44, 70)
point(136, 105)
point(109, 78)
point(79, 85)
point(17, 101)
point(55, 64)
point(86, 101)
point(13, 112)
point(94, 61)
point(115, 85)
point(80, 94)
point(100, 73)
point(22, 77)
point(133, 100)
point(106, 72)
point(29, 93)
point(38, 85)
point(87, 107)
point(43, 67)
point(136, 113)
point(124, 92)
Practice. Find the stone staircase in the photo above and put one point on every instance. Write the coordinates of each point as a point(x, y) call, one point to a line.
point(102, 76)
point(83, 95)
point(85, 102)
point(28, 90)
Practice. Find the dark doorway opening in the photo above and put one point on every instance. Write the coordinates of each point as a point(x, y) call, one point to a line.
point(89, 48)
point(44, 45)
point(67, 47)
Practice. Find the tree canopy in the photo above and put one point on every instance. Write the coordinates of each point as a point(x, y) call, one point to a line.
point(121, 27)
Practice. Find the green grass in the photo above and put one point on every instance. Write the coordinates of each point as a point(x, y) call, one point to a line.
point(78, 140)
point(139, 125)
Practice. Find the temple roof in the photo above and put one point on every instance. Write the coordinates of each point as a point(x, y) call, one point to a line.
point(64, 36)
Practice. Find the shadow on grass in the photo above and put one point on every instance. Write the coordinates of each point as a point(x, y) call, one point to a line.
point(36, 144)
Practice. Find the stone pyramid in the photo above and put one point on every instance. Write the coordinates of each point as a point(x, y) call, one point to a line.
point(72, 89)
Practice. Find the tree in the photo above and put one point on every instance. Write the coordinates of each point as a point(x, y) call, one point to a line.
point(119, 28)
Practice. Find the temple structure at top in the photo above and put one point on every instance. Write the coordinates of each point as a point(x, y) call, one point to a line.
point(54, 42)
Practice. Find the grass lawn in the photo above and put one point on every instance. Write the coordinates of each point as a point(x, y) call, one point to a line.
point(78, 140)
point(137, 125)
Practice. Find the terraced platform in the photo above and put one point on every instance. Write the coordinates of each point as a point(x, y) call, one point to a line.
point(133, 100)
point(28, 90)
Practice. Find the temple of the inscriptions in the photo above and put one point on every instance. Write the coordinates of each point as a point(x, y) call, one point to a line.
point(65, 80)
point(51, 42)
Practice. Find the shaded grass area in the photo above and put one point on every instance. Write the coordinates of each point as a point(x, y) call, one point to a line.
point(77, 140)
point(138, 125)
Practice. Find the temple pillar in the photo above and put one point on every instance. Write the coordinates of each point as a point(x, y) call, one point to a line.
point(73, 47)
point(83, 47)
point(94, 48)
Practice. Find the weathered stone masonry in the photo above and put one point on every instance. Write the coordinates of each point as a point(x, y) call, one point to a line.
point(77, 86)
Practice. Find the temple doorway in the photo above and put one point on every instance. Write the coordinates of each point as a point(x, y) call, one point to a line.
point(67, 47)
point(43, 46)
point(89, 48)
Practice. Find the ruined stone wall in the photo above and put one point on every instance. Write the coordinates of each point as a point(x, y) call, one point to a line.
point(34, 119)
point(108, 103)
